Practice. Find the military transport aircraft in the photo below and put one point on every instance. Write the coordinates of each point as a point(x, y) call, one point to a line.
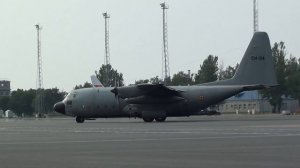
point(157, 101)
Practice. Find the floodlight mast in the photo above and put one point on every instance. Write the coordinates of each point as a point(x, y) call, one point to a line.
point(255, 15)
point(165, 67)
point(39, 60)
point(39, 102)
point(107, 54)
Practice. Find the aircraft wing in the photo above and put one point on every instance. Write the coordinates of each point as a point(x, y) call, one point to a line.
point(158, 90)
point(152, 90)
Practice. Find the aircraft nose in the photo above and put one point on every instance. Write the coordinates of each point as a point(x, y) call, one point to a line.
point(59, 107)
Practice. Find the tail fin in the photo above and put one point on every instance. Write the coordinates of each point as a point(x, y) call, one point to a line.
point(257, 65)
point(95, 81)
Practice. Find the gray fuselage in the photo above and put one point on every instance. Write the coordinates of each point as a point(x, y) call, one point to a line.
point(102, 103)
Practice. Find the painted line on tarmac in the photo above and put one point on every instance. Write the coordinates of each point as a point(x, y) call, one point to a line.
point(275, 126)
point(145, 139)
point(151, 131)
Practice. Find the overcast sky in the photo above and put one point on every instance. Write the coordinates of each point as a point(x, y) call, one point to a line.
point(73, 36)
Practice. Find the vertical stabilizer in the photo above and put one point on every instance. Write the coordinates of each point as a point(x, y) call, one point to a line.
point(95, 81)
point(257, 65)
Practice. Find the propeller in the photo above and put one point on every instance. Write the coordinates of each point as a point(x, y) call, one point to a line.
point(116, 92)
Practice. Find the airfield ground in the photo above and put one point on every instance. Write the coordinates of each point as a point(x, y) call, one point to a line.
point(202, 141)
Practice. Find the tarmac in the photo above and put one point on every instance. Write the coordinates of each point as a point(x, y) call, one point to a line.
point(226, 141)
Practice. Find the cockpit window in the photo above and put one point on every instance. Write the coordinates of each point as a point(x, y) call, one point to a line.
point(69, 102)
point(71, 95)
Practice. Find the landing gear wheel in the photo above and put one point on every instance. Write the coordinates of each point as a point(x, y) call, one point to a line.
point(79, 119)
point(148, 119)
point(160, 119)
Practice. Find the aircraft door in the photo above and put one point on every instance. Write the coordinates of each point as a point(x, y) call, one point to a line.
point(88, 106)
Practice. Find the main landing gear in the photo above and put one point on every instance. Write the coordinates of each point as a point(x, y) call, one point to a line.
point(160, 119)
point(146, 119)
point(79, 119)
point(157, 119)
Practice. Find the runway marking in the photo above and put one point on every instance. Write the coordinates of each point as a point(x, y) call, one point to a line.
point(148, 139)
point(254, 131)
point(275, 126)
point(152, 131)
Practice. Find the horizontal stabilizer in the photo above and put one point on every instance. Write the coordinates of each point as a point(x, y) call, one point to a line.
point(256, 87)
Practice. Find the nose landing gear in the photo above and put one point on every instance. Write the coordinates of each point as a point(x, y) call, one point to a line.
point(79, 119)
point(160, 119)
point(157, 119)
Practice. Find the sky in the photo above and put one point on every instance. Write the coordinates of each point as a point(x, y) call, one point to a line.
point(72, 36)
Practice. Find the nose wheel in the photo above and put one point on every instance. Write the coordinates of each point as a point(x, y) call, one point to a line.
point(157, 119)
point(160, 119)
point(148, 119)
point(79, 119)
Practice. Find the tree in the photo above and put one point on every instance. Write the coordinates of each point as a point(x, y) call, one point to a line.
point(208, 70)
point(109, 77)
point(22, 101)
point(275, 94)
point(141, 81)
point(293, 78)
point(167, 81)
point(182, 79)
point(52, 96)
point(155, 80)
point(221, 70)
point(85, 85)
point(228, 73)
point(4, 102)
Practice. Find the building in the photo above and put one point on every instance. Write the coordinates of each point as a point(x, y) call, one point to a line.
point(252, 102)
point(9, 114)
point(4, 88)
